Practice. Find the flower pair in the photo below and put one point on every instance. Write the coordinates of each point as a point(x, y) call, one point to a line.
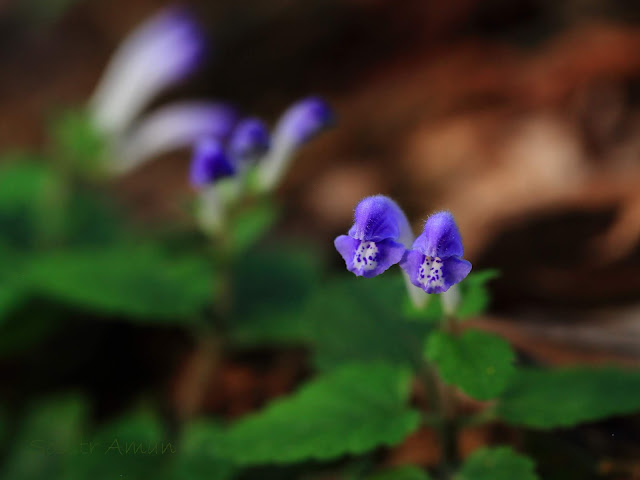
point(380, 238)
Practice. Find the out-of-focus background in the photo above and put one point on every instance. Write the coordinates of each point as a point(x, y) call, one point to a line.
point(519, 117)
point(522, 118)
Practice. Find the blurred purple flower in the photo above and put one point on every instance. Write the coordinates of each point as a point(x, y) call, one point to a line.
point(297, 125)
point(209, 163)
point(435, 261)
point(249, 141)
point(162, 51)
point(375, 241)
point(178, 125)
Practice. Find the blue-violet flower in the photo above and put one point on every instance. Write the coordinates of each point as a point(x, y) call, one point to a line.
point(162, 51)
point(375, 241)
point(435, 261)
point(249, 141)
point(209, 163)
point(297, 125)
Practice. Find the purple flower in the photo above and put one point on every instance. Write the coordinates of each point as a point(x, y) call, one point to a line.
point(434, 263)
point(249, 140)
point(297, 125)
point(162, 51)
point(303, 120)
point(178, 125)
point(374, 242)
point(210, 162)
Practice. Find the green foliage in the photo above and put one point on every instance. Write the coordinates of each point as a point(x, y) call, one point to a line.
point(407, 472)
point(348, 411)
point(77, 142)
point(137, 281)
point(479, 363)
point(359, 320)
point(270, 288)
point(134, 446)
point(474, 293)
point(31, 202)
point(565, 397)
point(47, 437)
point(251, 224)
point(196, 459)
point(499, 463)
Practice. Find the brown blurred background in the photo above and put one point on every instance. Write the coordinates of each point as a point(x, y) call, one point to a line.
point(522, 118)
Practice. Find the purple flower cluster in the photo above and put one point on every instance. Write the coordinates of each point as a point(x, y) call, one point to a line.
point(377, 240)
point(218, 156)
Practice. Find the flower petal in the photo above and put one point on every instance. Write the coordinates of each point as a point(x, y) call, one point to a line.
point(161, 51)
point(368, 259)
point(210, 163)
point(249, 140)
point(377, 218)
point(433, 274)
point(177, 125)
point(455, 270)
point(440, 237)
point(296, 126)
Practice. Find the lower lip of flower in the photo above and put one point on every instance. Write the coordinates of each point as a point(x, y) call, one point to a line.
point(366, 256)
point(430, 272)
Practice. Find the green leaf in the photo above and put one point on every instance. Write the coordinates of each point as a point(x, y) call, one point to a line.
point(47, 438)
point(479, 363)
point(362, 320)
point(251, 224)
point(499, 463)
point(133, 445)
point(271, 286)
point(31, 203)
point(77, 141)
point(475, 297)
point(565, 397)
point(137, 281)
point(195, 459)
point(348, 411)
point(408, 472)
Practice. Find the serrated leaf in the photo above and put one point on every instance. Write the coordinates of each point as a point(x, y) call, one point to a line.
point(565, 397)
point(408, 472)
point(499, 463)
point(474, 294)
point(50, 433)
point(251, 224)
point(348, 411)
point(479, 363)
point(195, 459)
point(136, 281)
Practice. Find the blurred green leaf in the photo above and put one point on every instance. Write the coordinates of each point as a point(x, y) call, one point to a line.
point(348, 411)
point(358, 319)
point(134, 447)
point(270, 287)
point(474, 294)
point(31, 202)
point(251, 224)
point(138, 281)
point(195, 459)
point(499, 463)
point(408, 472)
point(49, 435)
point(77, 142)
point(565, 397)
point(479, 363)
